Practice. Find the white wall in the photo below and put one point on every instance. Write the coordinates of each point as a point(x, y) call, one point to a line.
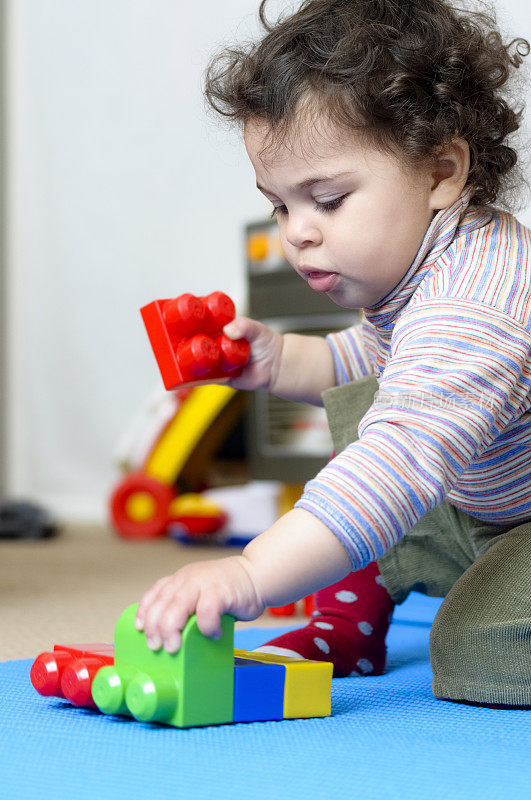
point(121, 190)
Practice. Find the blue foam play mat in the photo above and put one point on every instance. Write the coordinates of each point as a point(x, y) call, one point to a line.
point(387, 738)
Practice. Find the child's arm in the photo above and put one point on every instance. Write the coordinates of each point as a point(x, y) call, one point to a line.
point(306, 369)
point(291, 366)
point(294, 557)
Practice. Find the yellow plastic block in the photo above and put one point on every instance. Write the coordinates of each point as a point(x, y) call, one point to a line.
point(308, 684)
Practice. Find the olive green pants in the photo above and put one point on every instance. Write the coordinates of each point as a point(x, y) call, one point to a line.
point(480, 642)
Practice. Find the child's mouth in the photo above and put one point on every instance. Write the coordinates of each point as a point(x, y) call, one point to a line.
point(322, 281)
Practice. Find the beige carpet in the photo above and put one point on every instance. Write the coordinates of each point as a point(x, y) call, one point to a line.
point(73, 588)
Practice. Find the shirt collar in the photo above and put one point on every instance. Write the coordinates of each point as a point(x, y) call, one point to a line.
point(443, 230)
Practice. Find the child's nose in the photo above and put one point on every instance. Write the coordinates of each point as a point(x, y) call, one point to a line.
point(301, 231)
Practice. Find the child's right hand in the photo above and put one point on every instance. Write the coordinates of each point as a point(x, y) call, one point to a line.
point(206, 588)
point(297, 555)
point(266, 353)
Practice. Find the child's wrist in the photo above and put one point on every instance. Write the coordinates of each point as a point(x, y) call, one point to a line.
point(277, 371)
point(297, 555)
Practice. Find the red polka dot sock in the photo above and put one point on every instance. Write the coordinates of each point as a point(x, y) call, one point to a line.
point(348, 627)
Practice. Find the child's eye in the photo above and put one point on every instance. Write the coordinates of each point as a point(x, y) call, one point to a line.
point(330, 205)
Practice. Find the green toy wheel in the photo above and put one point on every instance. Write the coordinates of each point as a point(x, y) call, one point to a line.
point(151, 700)
point(108, 691)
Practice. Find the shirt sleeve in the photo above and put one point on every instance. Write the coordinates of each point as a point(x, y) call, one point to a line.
point(458, 373)
point(351, 356)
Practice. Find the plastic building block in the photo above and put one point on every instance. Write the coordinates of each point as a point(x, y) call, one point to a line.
point(307, 685)
point(258, 690)
point(192, 687)
point(308, 607)
point(68, 671)
point(186, 334)
point(206, 683)
point(283, 611)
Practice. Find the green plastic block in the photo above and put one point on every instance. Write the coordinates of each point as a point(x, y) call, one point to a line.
point(192, 687)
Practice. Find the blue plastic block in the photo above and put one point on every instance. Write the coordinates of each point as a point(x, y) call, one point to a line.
point(258, 690)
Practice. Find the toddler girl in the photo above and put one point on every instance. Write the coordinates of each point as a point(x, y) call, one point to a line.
point(378, 130)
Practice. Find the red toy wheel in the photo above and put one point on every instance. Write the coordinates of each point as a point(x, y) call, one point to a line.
point(76, 681)
point(140, 505)
point(46, 672)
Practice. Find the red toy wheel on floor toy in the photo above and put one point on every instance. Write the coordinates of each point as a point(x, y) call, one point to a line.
point(140, 506)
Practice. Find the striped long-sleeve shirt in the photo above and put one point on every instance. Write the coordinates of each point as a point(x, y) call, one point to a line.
point(451, 349)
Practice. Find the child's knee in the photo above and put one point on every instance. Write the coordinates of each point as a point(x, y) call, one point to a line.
point(477, 653)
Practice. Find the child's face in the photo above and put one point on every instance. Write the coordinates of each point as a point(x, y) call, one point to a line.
point(352, 236)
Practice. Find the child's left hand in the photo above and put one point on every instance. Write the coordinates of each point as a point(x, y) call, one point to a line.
point(206, 588)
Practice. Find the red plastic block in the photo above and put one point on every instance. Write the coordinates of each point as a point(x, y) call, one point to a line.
point(46, 673)
point(68, 671)
point(91, 649)
point(308, 607)
point(187, 338)
point(77, 677)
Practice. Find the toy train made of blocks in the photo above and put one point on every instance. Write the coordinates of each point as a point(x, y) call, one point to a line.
point(207, 682)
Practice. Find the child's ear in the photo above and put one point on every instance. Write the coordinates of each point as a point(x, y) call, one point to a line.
point(449, 172)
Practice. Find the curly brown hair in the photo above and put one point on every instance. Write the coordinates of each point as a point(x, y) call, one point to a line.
point(408, 75)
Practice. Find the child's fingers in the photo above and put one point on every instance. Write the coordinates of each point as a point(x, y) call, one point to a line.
point(165, 609)
point(209, 610)
point(166, 617)
point(152, 606)
point(152, 624)
point(243, 328)
point(147, 601)
point(172, 622)
point(172, 644)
